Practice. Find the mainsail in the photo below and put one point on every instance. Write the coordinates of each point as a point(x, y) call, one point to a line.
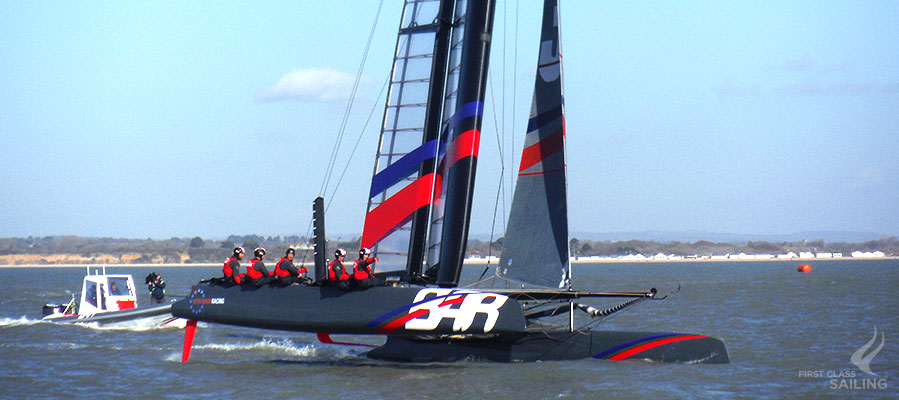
point(429, 140)
point(404, 179)
point(535, 247)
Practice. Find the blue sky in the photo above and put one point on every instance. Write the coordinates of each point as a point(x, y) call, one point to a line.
point(161, 119)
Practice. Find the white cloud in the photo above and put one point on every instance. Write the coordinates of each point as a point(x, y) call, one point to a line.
point(311, 84)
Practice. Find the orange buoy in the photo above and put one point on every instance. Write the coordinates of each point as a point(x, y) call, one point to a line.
point(804, 268)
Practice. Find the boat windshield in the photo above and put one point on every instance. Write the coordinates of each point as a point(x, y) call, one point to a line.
point(91, 296)
point(119, 287)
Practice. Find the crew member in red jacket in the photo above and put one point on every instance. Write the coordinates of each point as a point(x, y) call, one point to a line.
point(363, 277)
point(285, 272)
point(257, 274)
point(231, 269)
point(337, 275)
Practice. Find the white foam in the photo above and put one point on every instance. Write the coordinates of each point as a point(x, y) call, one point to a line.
point(278, 345)
point(135, 325)
point(23, 320)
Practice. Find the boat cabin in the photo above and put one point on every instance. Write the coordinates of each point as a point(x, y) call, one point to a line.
point(105, 293)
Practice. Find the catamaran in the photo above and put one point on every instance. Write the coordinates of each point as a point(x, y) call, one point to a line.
point(418, 218)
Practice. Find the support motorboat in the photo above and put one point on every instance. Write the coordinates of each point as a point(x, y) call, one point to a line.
point(107, 298)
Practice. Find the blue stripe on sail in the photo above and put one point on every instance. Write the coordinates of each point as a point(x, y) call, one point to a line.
point(408, 163)
point(403, 167)
point(467, 110)
point(544, 118)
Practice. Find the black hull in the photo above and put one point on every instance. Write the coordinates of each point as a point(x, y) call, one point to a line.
point(558, 346)
point(377, 310)
point(464, 325)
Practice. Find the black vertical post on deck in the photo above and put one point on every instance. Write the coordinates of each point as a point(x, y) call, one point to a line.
point(319, 244)
point(461, 175)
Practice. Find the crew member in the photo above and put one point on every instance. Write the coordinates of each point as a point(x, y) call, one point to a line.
point(363, 277)
point(232, 267)
point(286, 272)
point(337, 274)
point(157, 289)
point(257, 274)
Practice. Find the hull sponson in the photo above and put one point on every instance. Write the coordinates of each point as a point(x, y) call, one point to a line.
point(558, 345)
point(118, 316)
point(377, 310)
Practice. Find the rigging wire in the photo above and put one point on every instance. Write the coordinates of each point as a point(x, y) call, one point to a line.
point(501, 138)
point(514, 108)
point(359, 139)
point(337, 141)
point(349, 106)
point(502, 170)
point(355, 146)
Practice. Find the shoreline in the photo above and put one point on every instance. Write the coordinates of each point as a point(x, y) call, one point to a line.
point(467, 262)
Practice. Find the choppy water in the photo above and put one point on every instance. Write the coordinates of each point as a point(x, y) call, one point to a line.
point(777, 323)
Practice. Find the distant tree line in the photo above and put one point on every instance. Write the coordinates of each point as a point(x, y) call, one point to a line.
point(888, 245)
point(199, 250)
point(138, 251)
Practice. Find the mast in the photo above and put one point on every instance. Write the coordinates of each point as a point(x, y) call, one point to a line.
point(460, 161)
point(421, 219)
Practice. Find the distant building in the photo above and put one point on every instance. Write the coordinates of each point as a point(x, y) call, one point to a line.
point(867, 254)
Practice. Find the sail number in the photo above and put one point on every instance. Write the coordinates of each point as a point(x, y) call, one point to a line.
point(443, 305)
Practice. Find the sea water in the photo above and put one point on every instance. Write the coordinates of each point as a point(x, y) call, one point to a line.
point(789, 335)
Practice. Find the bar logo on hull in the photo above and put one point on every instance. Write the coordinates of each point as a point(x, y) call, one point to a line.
point(432, 305)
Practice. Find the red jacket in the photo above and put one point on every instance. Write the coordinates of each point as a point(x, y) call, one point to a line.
point(232, 271)
point(252, 273)
point(286, 271)
point(362, 268)
point(338, 266)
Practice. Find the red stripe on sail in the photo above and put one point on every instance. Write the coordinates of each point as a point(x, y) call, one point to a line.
point(393, 211)
point(464, 145)
point(542, 149)
point(643, 347)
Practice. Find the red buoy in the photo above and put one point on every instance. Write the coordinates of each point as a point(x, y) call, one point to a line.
point(804, 268)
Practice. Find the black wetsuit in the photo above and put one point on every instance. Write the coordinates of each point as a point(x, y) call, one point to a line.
point(157, 291)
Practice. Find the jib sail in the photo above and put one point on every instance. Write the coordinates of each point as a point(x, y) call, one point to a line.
point(535, 247)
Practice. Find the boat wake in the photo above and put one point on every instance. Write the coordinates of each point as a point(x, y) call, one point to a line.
point(21, 321)
point(278, 347)
point(141, 324)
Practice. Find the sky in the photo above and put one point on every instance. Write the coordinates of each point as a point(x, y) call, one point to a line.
point(179, 119)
